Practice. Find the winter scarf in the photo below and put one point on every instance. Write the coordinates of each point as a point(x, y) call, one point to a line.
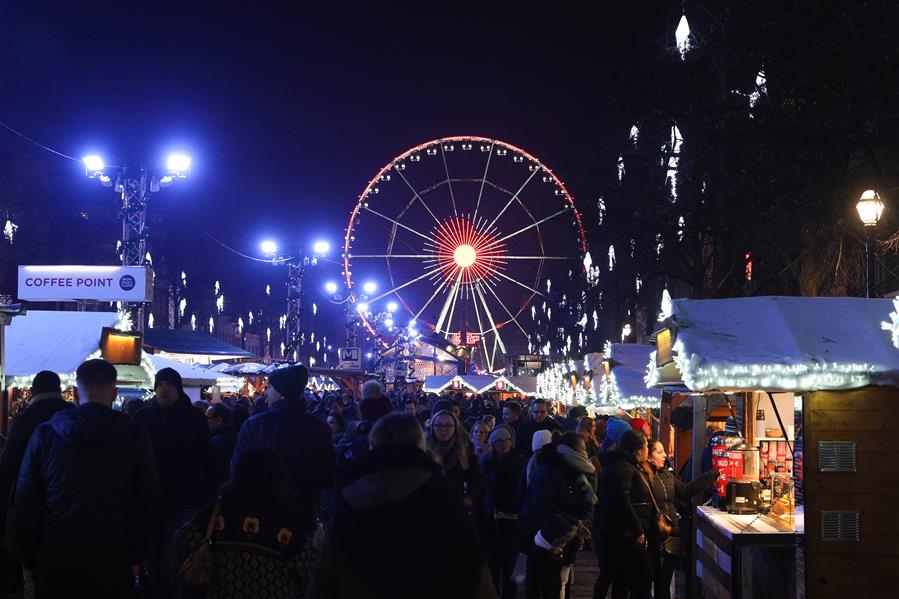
point(580, 464)
point(448, 453)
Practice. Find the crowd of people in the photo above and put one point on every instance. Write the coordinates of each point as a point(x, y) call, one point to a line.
point(293, 494)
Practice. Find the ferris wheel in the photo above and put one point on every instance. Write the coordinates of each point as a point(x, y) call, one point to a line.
point(469, 231)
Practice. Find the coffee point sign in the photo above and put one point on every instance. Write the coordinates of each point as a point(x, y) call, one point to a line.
point(61, 283)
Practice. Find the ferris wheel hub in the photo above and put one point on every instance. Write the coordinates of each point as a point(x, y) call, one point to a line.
point(465, 255)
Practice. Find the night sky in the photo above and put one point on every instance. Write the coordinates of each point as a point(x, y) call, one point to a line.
point(287, 116)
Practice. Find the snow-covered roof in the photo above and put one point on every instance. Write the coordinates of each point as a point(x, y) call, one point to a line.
point(625, 387)
point(194, 376)
point(524, 384)
point(783, 343)
point(60, 341)
point(478, 383)
point(57, 341)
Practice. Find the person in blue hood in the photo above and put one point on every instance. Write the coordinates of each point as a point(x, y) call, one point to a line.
point(86, 500)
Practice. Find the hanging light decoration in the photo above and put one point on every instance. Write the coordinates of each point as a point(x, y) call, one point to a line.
point(682, 37)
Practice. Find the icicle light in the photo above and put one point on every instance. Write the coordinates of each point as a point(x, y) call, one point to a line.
point(682, 36)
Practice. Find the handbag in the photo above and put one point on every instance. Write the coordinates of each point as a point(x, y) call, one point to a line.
point(196, 571)
point(673, 546)
point(664, 524)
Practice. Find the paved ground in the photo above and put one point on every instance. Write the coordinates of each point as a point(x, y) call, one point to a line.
point(585, 572)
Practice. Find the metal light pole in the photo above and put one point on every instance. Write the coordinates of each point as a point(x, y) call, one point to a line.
point(870, 209)
point(296, 269)
point(135, 185)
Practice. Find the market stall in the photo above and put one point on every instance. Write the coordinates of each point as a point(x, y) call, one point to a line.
point(196, 378)
point(60, 341)
point(813, 384)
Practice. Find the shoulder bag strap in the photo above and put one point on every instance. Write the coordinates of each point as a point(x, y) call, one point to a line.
point(651, 494)
point(211, 526)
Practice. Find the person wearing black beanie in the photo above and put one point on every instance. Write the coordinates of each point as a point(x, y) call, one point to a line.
point(45, 401)
point(182, 449)
point(302, 440)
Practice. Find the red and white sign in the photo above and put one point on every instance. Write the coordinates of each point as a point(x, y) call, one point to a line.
point(68, 283)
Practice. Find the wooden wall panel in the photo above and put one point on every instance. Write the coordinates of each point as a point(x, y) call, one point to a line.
point(853, 568)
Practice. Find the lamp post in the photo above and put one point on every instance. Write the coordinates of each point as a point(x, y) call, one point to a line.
point(135, 184)
point(296, 269)
point(870, 209)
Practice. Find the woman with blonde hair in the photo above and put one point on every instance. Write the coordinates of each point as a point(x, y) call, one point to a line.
point(451, 449)
point(480, 432)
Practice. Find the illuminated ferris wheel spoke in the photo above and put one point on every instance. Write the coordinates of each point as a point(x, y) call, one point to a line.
point(418, 197)
point(513, 198)
point(449, 299)
point(395, 222)
point(481, 332)
point(413, 256)
point(533, 258)
point(498, 340)
point(509, 312)
point(534, 224)
point(431, 299)
point(449, 321)
point(448, 182)
point(404, 285)
point(508, 278)
point(477, 206)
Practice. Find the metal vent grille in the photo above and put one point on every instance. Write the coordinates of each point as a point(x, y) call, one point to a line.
point(839, 526)
point(836, 456)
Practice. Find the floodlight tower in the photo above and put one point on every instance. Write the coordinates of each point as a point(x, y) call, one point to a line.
point(296, 269)
point(135, 184)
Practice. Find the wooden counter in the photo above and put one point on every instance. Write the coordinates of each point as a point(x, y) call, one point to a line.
point(745, 556)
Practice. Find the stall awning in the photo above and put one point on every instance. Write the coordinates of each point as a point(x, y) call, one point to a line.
point(782, 344)
point(625, 385)
point(181, 341)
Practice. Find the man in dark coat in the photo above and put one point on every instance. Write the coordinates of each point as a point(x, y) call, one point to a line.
point(395, 508)
point(46, 400)
point(183, 454)
point(86, 501)
point(372, 407)
point(221, 430)
point(538, 420)
point(302, 440)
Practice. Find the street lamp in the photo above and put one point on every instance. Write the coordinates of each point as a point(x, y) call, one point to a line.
point(870, 209)
point(135, 185)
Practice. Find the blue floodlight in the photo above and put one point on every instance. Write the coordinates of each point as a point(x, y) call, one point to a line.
point(362, 308)
point(370, 287)
point(321, 248)
point(331, 287)
point(269, 247)
point(93, 164)
point(392, 307)
point(178, 165)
